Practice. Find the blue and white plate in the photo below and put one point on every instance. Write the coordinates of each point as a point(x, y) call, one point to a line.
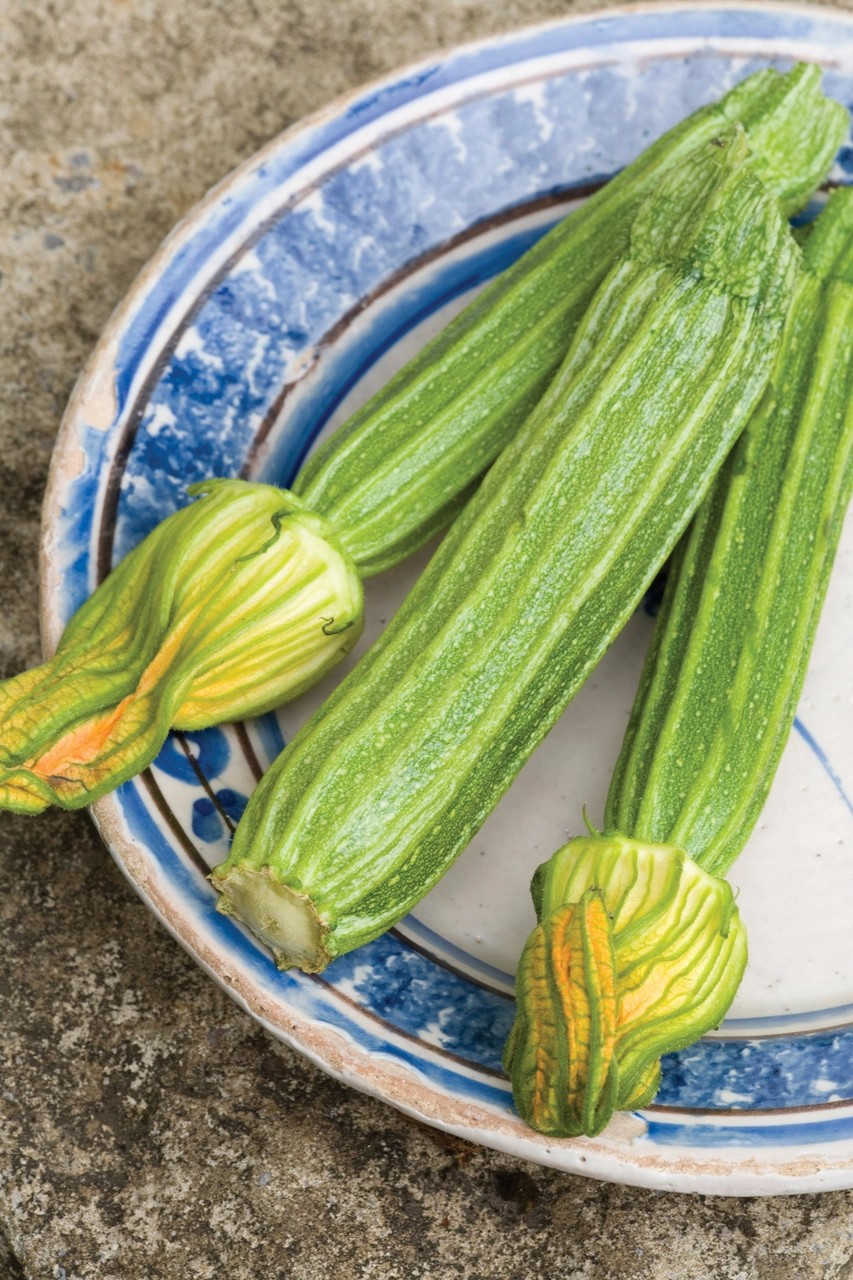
point(274, 309)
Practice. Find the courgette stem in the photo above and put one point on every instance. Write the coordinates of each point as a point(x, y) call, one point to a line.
point(391, 778)
point(281, 917)
point(715, 706)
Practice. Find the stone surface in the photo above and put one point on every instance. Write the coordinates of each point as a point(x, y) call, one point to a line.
point(147, 1127)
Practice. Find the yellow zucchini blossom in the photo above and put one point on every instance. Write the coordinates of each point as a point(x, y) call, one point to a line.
point(638, 952)
point(230, 607)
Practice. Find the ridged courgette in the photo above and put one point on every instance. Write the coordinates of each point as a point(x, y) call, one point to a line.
point(723, 676)
point(396, 472)
point(388, 782)
point(640, 948)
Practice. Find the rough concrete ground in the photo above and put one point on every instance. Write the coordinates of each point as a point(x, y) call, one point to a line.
point(147, 1127)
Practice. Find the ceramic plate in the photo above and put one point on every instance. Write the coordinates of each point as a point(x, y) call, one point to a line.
point(274, 309)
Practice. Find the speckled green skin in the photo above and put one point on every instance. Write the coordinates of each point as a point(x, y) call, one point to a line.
point(390, 780)
point(724, 672)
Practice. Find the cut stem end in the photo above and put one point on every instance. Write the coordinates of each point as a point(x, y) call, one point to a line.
point(286, 921)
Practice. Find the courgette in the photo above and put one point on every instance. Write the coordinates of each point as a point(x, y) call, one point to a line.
point(395, 473)
point(715, 706)
point(388, 782)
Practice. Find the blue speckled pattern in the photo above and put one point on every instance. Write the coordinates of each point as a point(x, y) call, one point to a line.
point(800, 1071)
point(237, 339)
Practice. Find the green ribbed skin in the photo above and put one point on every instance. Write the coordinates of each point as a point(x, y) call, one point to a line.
point(389, 781)
point(403, 465)
point(723, 676)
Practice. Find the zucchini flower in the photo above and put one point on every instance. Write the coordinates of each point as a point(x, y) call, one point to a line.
point(637, 953)
point(230, 607)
